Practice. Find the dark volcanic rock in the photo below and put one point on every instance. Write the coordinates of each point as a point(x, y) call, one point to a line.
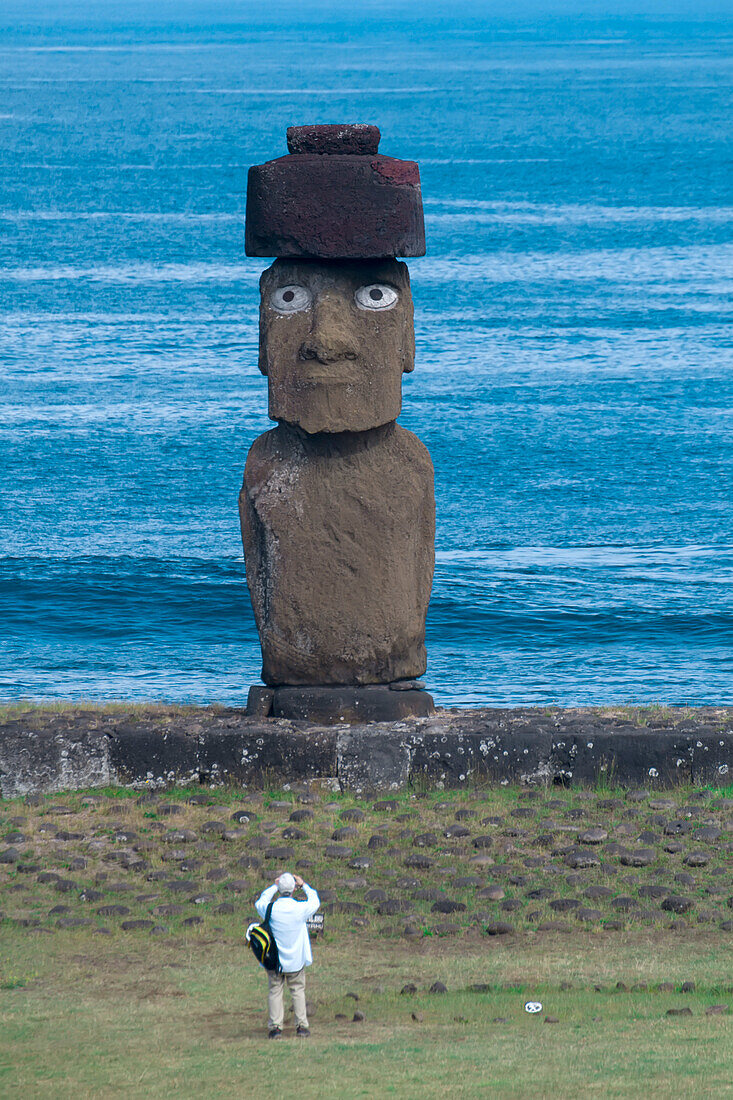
point(250, 815)
point(581, 860)
point(113, 911)
point(419, 862)
point(593, 836)
point(447, 906)
point(302, 815)
point(564, 905)
point(675, 903)
point(451, 748)
point(498, 928)
point(597, 892)
point(653, 891)
point(394, 905)
point(353, 814)
point(625, 904)
point(284, 854)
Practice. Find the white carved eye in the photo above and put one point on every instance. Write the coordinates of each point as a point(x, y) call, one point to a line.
point(376, 296)
point(290, 299)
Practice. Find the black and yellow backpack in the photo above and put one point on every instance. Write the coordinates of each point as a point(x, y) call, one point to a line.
point(262, 941)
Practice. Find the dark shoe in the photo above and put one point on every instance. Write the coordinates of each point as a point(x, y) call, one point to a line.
point(275, 1033)
point(303, 1032)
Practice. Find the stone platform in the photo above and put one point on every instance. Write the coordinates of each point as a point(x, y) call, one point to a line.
point(42, 750)
point(330, 706)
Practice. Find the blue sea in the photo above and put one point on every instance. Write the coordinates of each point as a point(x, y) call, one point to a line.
point(574, 378)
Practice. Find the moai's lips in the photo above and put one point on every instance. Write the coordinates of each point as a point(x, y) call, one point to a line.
point(329, 377)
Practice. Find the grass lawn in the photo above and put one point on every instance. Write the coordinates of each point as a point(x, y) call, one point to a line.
point(185, 1017)
point(176, 1006)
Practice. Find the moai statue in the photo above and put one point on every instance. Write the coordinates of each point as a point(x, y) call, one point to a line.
point(337, 506)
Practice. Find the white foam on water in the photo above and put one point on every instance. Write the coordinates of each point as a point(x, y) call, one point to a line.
point(588, 557)
point(173, 217)
point(700, 267)
point(306, 91)
point(460, 211)
point(136, 273)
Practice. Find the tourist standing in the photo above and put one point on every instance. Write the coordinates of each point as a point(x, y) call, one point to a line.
point(288, 925)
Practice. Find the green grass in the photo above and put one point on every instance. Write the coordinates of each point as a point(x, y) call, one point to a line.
point(185, 1017)
point(50, 707)
point(84, 1014)
point(640, 714)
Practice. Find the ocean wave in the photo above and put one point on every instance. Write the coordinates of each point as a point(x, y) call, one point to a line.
point(526, 213)
point(136, 273)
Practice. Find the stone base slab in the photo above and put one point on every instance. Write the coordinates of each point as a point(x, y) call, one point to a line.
point(51, 751)
point(329, 705)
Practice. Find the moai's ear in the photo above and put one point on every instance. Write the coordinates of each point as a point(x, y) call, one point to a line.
point(408, 334)
point(408, 350)
point(264, 288)
point(262, 357)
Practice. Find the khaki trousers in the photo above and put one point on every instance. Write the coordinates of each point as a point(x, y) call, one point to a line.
point(296, 985)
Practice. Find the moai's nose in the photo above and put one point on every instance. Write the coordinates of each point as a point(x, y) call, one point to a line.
point(330, 339)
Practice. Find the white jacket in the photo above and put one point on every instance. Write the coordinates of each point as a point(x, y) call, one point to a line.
point(287, 922)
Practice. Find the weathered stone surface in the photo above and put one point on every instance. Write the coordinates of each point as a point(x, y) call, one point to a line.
point(160, 756)
point(353, 138)
point(370, 762)
point(329, 705)
point(336, 206)
point(651, 756)
point(338, 538)
point(259, 701)
point(221, 745)
point(335, 340)
point(257, 749)
point(676, 903)
point(460, 750)
point(54, 758)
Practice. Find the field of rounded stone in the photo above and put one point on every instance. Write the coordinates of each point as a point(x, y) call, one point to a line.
point(123, 915)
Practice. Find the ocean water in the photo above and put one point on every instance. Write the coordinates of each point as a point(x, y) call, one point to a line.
point(574, 377)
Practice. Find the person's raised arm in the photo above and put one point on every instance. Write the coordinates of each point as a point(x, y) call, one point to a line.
point(265, 898)
point(312, 902)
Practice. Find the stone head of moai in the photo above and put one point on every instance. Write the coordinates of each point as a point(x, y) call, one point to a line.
point(337, 505)
point(335, 339)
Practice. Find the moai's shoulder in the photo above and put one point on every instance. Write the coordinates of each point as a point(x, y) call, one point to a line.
point(411, 449)
point(269, 451)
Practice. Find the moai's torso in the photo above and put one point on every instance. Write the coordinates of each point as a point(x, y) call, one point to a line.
point(338, 536)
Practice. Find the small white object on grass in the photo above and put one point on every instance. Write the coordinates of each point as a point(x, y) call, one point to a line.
point(533, 1006)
